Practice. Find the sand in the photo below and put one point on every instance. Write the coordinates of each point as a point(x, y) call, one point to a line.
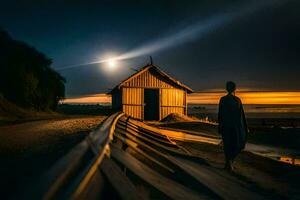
point(28, 149)
point(175, 117)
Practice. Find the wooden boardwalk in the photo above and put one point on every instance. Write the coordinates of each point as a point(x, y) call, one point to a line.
point(124, 155)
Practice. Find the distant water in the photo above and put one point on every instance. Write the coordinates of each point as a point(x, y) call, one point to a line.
point(251, 111)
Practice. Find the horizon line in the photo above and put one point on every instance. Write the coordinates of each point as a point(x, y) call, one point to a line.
point(252, 97)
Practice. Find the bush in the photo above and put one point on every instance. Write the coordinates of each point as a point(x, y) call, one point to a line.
point(26, 77)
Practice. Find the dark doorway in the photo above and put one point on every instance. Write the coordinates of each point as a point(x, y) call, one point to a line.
point(151, 100)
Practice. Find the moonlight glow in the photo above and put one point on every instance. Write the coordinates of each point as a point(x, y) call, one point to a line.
point(112, 63)
point(109, 66)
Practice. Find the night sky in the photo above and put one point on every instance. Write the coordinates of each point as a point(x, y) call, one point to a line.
point(260, 50)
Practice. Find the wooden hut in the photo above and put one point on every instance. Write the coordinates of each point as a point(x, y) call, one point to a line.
point(150, 94)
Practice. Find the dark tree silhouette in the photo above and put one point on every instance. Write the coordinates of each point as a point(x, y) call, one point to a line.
point(26, 77)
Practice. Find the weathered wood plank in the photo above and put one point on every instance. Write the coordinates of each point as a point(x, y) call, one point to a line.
point(119, 180)
point(129, 121)
point(174, 135)
point(163, 184)
point(94, 190)
point(142, 144)
point(134, 146)
point(224, 188)
point(99, 150)
point(58, 176)
point(165, 141)
point(130, 133)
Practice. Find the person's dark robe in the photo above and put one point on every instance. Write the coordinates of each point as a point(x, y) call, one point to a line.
point(232, 125)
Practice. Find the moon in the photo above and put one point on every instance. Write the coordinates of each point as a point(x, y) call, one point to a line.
point(112, 63)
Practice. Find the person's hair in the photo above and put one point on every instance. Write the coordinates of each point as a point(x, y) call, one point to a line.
point(230, 86)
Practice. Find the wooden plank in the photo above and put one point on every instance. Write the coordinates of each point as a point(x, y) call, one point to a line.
point(169, 187)
point(185, 102)
point(135, 147)
point(146, 146)
point(51, 182)
point(95, 189)
point(141, 143)
point(163, 140)
point(197, 133)
point(132, 102)
point(148, 132)
point(119, 180)
point(224, 188)
point(108, 129)
point(159, 104)
point(128, 104)
point(172, 106)
point(174, 135)
point(149, 87)
point(170, 149)
point(139, 130)
point(129, 123)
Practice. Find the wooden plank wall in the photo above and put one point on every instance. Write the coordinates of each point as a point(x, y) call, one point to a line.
point(172, 101)
point(149, 80)
point(133, 100)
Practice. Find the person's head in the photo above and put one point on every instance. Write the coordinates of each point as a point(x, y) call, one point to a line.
point(230, 87)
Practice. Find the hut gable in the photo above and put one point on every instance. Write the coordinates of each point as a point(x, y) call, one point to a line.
point(151, 76)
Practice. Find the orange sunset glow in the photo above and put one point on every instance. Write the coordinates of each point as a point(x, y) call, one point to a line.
point(247, 97)
point(91, 99)
point(209, 98)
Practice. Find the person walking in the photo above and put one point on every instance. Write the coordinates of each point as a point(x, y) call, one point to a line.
point(232, 125)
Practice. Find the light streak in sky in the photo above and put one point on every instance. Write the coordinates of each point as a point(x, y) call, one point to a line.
point(189, 33)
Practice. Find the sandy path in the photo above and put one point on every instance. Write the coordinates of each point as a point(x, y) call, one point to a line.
point(28, 149)
point(36, 135)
